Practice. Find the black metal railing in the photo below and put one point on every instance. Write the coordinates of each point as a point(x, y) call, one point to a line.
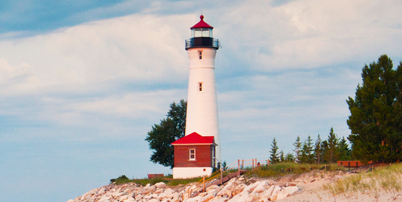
point(206, 42)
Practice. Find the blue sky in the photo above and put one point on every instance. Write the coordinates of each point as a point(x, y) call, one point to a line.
point(81, 84)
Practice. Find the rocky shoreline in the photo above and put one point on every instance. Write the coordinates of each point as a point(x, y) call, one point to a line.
point(237, 189)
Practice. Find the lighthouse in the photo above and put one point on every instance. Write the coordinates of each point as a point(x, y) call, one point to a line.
point(198, 152)
point(202, 109)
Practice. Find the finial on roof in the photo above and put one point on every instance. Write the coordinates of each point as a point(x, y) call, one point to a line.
point(202, 17)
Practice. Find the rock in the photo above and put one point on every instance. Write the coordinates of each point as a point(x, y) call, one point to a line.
point(154, 200)
point(238, 189)
point(160, 185)
point(261, 187)
point(264, 196)
point(282, 194)
point(275, 192)
point(129, 200)
point(71, 200)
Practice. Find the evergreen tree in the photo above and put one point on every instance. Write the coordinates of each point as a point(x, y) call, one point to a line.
point(376, 113)
point(289, 157)
point(344, 151)
point(309, 150)
point(298, 149)
point(304, 155)
point(274, 152)
point(281, 156)
point(331, 151)
point(324, 149)
point(167, 131)
point(318, 150)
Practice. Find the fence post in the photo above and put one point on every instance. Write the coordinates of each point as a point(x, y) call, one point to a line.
point(238, 166)
point(252, 163)
point(221, 177)
point(255, 162)
point(203, 184)
point(242, 164)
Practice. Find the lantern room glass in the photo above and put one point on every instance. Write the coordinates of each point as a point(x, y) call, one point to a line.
point(201, 32)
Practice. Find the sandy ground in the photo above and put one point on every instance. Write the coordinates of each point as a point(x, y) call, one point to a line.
point(313, 192)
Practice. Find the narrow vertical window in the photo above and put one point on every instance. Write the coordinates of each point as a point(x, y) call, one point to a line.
point(192, 155)
point(200, 86)
point(200, 54)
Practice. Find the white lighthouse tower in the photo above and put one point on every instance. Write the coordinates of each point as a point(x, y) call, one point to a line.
point(202, 110)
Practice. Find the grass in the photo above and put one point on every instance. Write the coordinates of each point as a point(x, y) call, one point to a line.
point(168, 180)
point(384, 178)
point(282, 169)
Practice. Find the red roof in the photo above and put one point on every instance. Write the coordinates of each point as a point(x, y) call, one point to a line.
point(195, 138)
point(201, 24)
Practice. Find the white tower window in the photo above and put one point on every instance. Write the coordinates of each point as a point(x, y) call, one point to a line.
point(191, 155)
point(200, 54)
point(200, 86)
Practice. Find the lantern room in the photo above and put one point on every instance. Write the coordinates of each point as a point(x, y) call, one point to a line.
point(202, 36)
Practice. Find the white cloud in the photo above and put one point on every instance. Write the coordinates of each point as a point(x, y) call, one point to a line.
point(309, 34)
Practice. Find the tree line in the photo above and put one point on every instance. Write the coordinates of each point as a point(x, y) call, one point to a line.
point(321, 151)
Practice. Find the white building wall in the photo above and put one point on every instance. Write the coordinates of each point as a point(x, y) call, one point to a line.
point(191, 172)
point(202, 110)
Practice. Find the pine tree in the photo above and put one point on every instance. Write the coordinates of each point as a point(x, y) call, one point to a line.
point(309, 147)
point(303, 155)
point(344, 151)
point(331, 152)
point(297, 150)
point(376, 113)
point(281, 156)
point(289, 157)
point(274, 152)
point(318, 150)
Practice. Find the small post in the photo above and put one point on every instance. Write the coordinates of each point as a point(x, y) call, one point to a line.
point(203, 184)
point(255, 162)
point(349, 164)
point(221, 177)
point(252, 163)
point(238, 166)
point(242, 164)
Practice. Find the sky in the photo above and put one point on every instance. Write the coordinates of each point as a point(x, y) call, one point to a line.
point(82, 82)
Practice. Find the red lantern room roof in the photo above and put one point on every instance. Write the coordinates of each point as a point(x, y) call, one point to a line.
point(201, 24)
point(195, 138)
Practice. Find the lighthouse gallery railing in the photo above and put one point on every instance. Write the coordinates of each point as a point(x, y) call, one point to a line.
point(202, 42)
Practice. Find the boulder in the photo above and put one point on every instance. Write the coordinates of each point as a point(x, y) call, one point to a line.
point(275, 192)
point(292, 189)
point(160, 185)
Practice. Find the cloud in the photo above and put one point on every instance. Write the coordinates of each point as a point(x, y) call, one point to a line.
point(292, 36)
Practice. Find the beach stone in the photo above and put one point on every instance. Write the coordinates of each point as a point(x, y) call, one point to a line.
point(238, 189)
point(129, 200)
point(275, 192)
point(264, 196)
point(160, 185)
point(282, 194)
point(292, 189)
point(261, 187)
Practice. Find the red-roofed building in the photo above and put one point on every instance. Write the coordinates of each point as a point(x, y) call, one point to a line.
point(194, 156)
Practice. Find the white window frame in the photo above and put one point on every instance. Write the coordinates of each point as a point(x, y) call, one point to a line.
point(189, 154)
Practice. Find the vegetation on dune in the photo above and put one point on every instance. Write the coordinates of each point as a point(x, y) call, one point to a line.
point(168, 180)
point(285, 168)
point(381, 179)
